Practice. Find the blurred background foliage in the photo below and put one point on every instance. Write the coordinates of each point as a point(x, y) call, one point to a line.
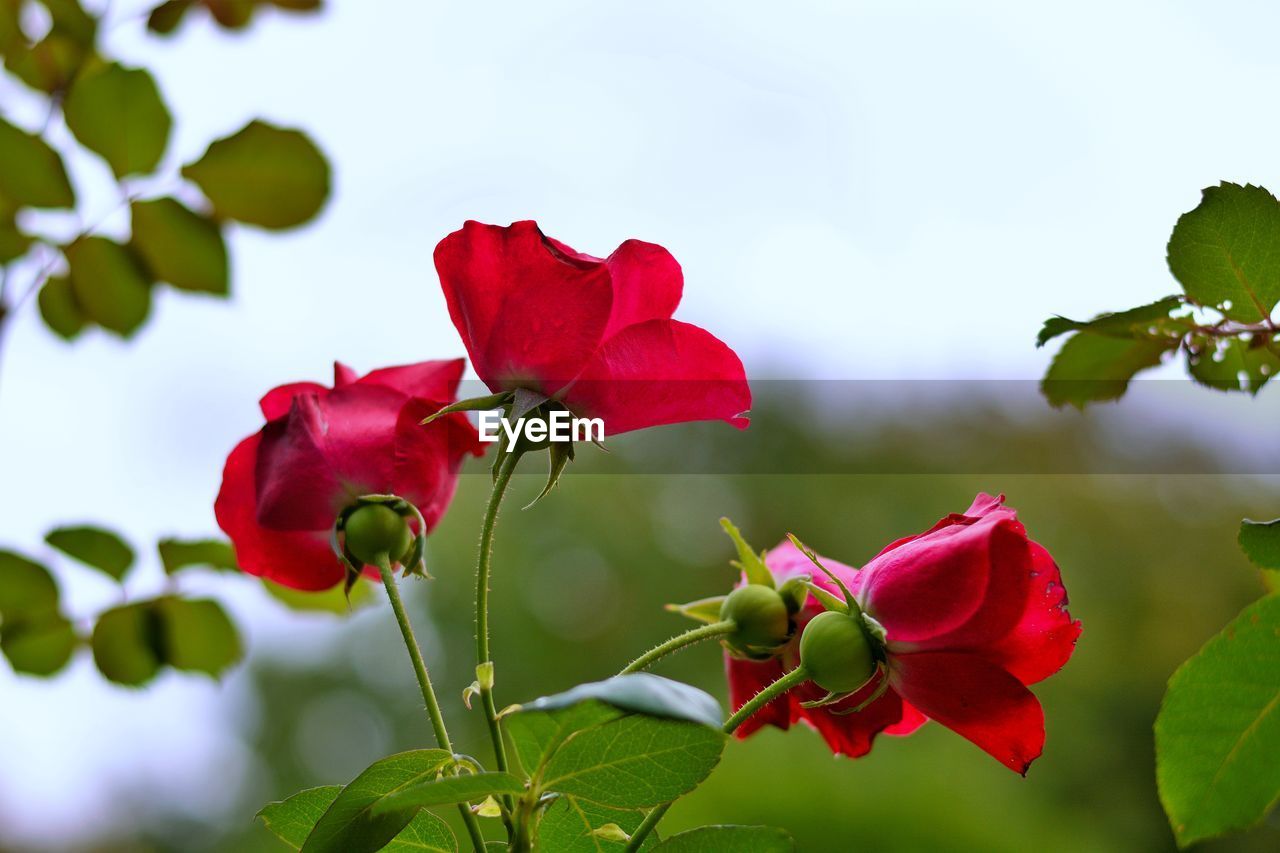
point(1150, 562)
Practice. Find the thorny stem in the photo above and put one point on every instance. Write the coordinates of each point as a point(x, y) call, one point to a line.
point(482, 602)
point(428, 694)
point(688, 638)
point(792, 679)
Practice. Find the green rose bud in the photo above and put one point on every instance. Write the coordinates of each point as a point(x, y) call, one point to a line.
point(375, 532)
point(836, 652)
point(763, 621)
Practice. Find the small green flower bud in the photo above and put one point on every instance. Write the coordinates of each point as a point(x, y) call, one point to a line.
point(375, 531)
point(762, 619)
point(836, 652)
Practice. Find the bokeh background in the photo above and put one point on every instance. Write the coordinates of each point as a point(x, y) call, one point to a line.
point(880, 193)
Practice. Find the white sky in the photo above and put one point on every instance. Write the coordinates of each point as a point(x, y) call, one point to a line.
point(855, 190)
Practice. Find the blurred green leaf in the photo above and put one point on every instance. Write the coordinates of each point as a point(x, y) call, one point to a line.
point(166, 17)
point(179, 246)
point(110, 287)
point(58, 308)
point(94, 547)
point(729, 839)
point(1122, 324)
point(348, 825)
point(127, 644)
point(633, 762)
point(296, 5)
point(13, 243)
point(31, 173)
point(197, 635)
point(1260, 541)
point(293, 819)
point(444, 791)
point(232, 14)
point(27, 589)
point(1218, 731)
point(640, 693)
point(70, 18)
point(571, 825)
point(1092, 368)
point(178, 554)
point(117, 112)
point(41, 647)
point(263, 175)
point(1226, 252)
point(325, 601)
point(1232, 364)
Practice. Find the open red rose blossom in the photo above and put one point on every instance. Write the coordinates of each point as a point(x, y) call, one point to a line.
point(595, 334)
point(968, 614)
point(322, 448)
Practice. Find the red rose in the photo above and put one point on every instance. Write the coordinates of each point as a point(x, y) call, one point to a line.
point(322, 448)
point(973, 612)
point(595, 334)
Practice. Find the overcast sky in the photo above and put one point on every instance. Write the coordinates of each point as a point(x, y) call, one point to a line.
point(895, 190)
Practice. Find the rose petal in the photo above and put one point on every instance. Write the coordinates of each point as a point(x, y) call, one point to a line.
point(1045, 637)
point(529, 313)
point(976, 699)
point(851, 733)
point(746, 679)
point(428, 380)
point(343, 375)
point(647, 285)
point(661, 372)
point(327, 452)
point(427, 458)
point(960, 586)
point(301, 560)
point(276, 402)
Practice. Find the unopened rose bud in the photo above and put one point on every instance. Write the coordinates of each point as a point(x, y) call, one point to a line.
point(836, 652)
point(762, 619)
point(376, 532)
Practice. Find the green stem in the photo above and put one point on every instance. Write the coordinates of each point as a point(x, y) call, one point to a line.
point(676, 643)
point(500, 484)
point(792, 679)
point(428, 693)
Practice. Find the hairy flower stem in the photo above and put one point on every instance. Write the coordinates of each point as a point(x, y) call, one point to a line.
point(792, 679)
point(675, 644)
point(428, 693)
point(500, 484)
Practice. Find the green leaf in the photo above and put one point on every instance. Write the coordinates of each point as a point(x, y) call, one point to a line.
point(94, 547)
point(1218, 731)
point(293, 819)
point(117, 112)
point(571, 825)
point(179, 554)
point(41, 647)
point(1260, 541)
point(640, 693)
point(348, 825)
point(13, 243)
point(197, 635)
point(633, 762)
point(166, 17)
point(263, 175)
point(31, 173)
point(729, 839)
point(1092, 368)
point(536, 735)
point(27, 589)
point(446, 791)
point(70, 17)
point(110, 287)
point(1226, 252)
point(127, 644)
point(332, 600)
point(180, 247)
point(59, 310)
point(1121, 324)
point(1232, 364)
